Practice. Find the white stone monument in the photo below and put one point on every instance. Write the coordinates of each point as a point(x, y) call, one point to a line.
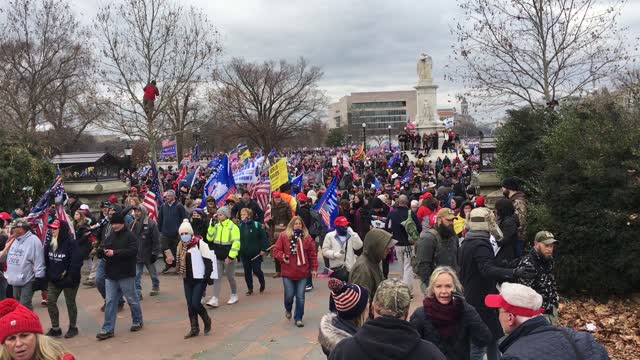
point(427, 119)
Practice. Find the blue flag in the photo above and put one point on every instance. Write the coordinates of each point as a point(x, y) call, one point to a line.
point(195, 154)
point(272, 153)
point(220, 184)
point(393, 160)
point(407, 176)
point(214, 163)
point(376, 183)
point(327, 205)
point(296, 183)
point(189, 179)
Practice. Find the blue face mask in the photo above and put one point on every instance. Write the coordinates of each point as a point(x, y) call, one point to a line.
point(186, 238)
point(341, 230)
point(297, 232)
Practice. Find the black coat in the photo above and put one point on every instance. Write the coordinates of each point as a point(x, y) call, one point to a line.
point(470, 328)
point(122, 264)
point(83, 233)
point(394, 224)
point(386, 338)
point(148, 236)
point(479, 274)
point(63, 265)
point(258, 214)
point(509, 227)
point(537, 339)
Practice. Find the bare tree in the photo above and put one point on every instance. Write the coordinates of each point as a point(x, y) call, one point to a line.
point(144, 40)
point(535, 51)
point(628, 82)
point(268, 103)
point(43, 68)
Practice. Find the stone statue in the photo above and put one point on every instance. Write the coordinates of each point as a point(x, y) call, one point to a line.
point(427, 114)
point(424, 67)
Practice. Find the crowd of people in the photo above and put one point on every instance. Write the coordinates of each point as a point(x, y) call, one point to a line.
point(420, 213)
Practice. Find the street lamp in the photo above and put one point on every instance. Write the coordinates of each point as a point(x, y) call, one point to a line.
point(364, 136)
point(389, 129)
point(128, 151)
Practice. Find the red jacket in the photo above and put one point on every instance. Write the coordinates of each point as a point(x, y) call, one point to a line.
point(307, 257)
point(425, 211)
point(150, 92)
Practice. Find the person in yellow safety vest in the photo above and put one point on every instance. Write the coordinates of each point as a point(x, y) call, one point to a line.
point(224, 239)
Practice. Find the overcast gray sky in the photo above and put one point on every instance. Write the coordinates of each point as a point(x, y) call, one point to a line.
point(361, 45)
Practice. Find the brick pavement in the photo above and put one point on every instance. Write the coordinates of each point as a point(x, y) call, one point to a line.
point(254, 328)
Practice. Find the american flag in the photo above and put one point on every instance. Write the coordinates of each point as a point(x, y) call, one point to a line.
point(61, 200)
point(326, 217)
point(261, 192)
point(152, 198)
point(39, 214)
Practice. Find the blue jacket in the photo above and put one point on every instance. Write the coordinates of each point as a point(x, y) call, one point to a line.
point(536, 339)
point(170, 218)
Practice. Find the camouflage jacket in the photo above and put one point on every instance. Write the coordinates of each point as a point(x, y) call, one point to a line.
point(544, 283)
point(520, 206)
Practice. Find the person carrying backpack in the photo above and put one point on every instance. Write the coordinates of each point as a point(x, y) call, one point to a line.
point(436, 247)
point(403, 224)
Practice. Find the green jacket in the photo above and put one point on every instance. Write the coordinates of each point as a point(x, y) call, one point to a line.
point(253, 239)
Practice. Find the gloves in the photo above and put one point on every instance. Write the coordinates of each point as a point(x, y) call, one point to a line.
point(524, 272)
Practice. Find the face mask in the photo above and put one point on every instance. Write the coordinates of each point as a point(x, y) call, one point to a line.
point(341, 230)
point(186, 238)
point(246, 220)
point(297, 232)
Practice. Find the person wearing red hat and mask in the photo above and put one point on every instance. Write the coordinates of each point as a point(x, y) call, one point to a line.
point(21, 335)
point(339, 247)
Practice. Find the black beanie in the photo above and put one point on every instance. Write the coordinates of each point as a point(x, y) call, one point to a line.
point(510, 183)
point(117, 218)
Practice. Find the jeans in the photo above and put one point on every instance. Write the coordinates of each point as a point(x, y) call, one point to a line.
point(100, 280)
point(404, 257)
point(153, 273)
point(53, 292)
point(252, 268)
point(24, 294)
point(294, 288)
point(492, 351)
point(229, 270)
point(193, 291)
point(94, 268)
point(114, 288)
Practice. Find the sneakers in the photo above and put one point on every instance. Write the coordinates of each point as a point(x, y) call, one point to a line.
point(89, 283)
point(233, 299)
point(104, 335)
point(262, 287)
point(213, 302)
point(73, 331)
point(287, 315)
point(249, 293)
point(54, 332)
point(276, 275)
point(136, 327)
point(154, 292)
point(308, 288)
point(299, 323)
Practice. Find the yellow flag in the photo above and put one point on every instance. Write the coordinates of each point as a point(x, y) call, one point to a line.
point(278, 174)
point(245, 155)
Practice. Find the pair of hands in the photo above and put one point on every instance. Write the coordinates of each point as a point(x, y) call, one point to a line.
point(108, 252)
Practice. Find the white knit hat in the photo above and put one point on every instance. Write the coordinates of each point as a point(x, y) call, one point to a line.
point(185, 227)
point(517, 299)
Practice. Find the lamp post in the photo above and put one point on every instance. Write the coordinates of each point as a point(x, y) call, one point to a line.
point(364, 136)
point(389, 129)
point(128, 151)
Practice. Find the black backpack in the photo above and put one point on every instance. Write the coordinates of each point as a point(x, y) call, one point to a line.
point(316, 228)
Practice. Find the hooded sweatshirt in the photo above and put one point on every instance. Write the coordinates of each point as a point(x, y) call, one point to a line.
point(366, 271)
point(25, 260)
point(64, 263)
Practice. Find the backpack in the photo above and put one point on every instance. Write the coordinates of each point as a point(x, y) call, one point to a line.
point(442, 256)
point(410, 227)
point(316, 228)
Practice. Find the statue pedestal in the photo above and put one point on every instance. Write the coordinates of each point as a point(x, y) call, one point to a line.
point(427, 119)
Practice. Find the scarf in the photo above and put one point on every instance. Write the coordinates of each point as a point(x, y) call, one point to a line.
point(294, 243)
point(443, 317)
point(183, 250)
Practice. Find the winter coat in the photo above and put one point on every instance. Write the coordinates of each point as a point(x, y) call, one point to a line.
point(148, 236)
point(331, 248)
point(432, 252)
point(479, 274)
point(253, 239)
point(394, 224)
point(199, 264)
point(307, 251)
point(470, 327)
point(366, 271)
point(334, 329)
point(304, 211)
point(258, 214)
point(509, 227)
point(63, 265)
point(122, 264)
point(386, 338)
point(537, 339)
point(545, 282)
point(83, 238)
point(520, 206)
point(280, 214)
point(170, 217)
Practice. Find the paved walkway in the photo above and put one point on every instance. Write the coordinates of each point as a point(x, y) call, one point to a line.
point(254, 328)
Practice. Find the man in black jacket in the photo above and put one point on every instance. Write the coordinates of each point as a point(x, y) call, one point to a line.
point(146, 231)
point(119, 253)
point(388, 335)
point(247, 202)
point(530, 336)
point(170, 216)
point(404, 248)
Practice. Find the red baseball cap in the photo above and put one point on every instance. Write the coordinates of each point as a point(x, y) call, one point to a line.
point(5, 216)
point(341, 221)
point(531, 300)
point(302, 197)
point(275, 194)
point(426, 195)
point(55, 224)
point(133, 188)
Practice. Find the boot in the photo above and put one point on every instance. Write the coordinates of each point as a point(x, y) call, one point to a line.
point(206, 320)
point(195, 329)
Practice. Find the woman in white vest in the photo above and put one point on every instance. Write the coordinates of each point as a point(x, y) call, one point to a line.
point(339, 247)
point(195, 266)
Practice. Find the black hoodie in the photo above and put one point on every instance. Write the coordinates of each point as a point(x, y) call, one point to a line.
point(386, 338)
